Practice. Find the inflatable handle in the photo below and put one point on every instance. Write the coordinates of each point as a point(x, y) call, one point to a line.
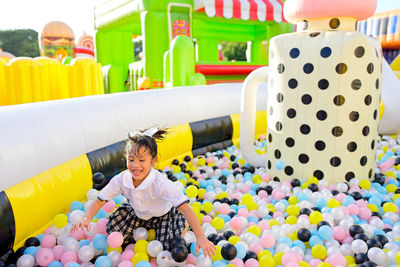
point(248, 116)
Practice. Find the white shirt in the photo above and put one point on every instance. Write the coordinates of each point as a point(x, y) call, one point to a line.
point(154, 197)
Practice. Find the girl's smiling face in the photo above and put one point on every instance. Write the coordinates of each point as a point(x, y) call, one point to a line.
point(139, 164)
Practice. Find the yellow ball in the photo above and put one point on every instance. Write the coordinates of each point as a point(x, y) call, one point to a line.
point(234, 239)
point(207, 206)
point(278, 258)
point(202, 191)
point(192, 191)
point(315, 217)
point(318, 251)
point(247, 198)
point(60, 220)
point(293, 210)
point(273, 222)
point(350, 260)
point(217, 256)
point(241, 162)
point(372, 207)
point(218, 223)
point(222, 195)
point(332, 203)
point(396, 196)
point(141, 246)
point(389, 207)
point(271, 207)
point(291, 220)
point(109, 249)
point(151, 235)
point(139, 256)
point(264, 252)
point(293, 200)
point(176, 169)
point(397, 257)
point(324, 264)
point(365, 184)
point(267, 260)
point(230, 265)
point(201, 162)
point(254, 229)
point(303, 264)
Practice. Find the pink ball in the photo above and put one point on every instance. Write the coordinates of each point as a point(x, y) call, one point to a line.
point(44, 256)
point(127, 255)
point(348, 240)
point(209, 160)
point(262, 194)
point(206, 219)
point(278, 214)
point(48, 241)
point(340, 197)
point(237, 262)
point(47, 231)
point(78, 234)
point(224, 208)
point(264, 225)
point(245, 189)
point(130, 247)
point(339, 233)
point(278, 194)
point(337, 259)
point(292, 264)
point(243, 212)
point(58, 252)
point(365, 213)
point(101, 226)
point(236, 223)
point(191, 259)
point(115, 239)
point(251, 263)
point(255, 247)
point(109, 206)
point(265, 177)
point(288, 257)
point(315, 262)
point(267, 240)
point(353, 209)
point(125, 263)
point(69, 256)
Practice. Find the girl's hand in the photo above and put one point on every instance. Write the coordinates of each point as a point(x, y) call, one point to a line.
point(207, 246)
point(85, 223)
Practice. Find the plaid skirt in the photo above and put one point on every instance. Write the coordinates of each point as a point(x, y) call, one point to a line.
point(125, 221)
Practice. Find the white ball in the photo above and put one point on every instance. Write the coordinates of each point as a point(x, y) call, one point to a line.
point(115, 257)
point(377, 255)
point(92, 231)
point(189, 237)
point(92, 194)
point(71, 244)
point(202, 261)
point(164, 259)
point(86, 253)
point(140, 233)
point(346, 250)
point(359, 246)
point(154, 248)
point(76, 216)
point(26, 260)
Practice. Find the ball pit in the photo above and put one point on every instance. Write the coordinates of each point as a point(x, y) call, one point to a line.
point(252, 219)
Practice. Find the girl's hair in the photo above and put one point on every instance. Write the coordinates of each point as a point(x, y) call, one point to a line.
point(137, 140)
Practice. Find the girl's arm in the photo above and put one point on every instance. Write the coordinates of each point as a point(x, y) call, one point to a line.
point(202, 241)
point(90, 213)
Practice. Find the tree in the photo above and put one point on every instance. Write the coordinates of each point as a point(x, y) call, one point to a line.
point(20, 43)
point(234, 50)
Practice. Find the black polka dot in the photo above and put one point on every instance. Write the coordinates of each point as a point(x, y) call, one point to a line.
point(334, 23)
point(306, 99)
point(304, 25)
point(377, 84)
point(321, 115)
point(277, 154)
point(278, 126)
point(269, 164)
point(323, 84)
point(326, 52)
point(368, 100)
point(338, 100)
point(354, 115)
point(356, 84)
point(375, 114)
point(305, 129)
point(318, 174)
point(335, 161)
point(314, 34)
point(337, 131)
point(370, 68)
point(352, 146)
point(370, 173)
point(291, 113)
point(281, 68)
point(373, 144)
point(308, 68)
point(279, 97)
point(271, 111)
point(294, 52)
point(303, 158)
point(359, 51)
point(289, 142)
point(320, 145)
point(270, 138)
point(365, 131)
point(341, 68)
point(292, 83)
point(349, 176)
point(363, 161)
point(288, 170)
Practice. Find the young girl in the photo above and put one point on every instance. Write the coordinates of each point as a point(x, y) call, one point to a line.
point(154, 201)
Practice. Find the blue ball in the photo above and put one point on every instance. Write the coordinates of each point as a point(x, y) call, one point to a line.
point(143, 264)
point(40, 236)
point(279, 165)
point(84, 242)
point(325, 232)
point(100, 241)
point(31, 250)
point(76, 205)
point(314, 240)
point(218, 264)
point(103, 261)
point(74, 264)
point(55, 264)
point(241, 251)
point(193, 250)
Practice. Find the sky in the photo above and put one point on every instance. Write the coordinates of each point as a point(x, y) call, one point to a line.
point(78, 14)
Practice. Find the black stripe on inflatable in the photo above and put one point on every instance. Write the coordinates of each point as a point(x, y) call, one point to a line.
point(7, 224)
point(109, 160)
point(212, 134)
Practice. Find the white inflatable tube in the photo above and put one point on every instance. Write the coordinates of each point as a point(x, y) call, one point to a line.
point(38, 136)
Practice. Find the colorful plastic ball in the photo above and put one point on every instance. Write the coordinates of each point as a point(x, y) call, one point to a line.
point(143, 264)
point(319, 252)
point(32, 241)
point(141, 246)
point(377, 256)
point(109, 206)
point(228, 252)
point(359, 246)
point(98, 178)
point(179, 253)
point(151, 235)
point(115, 239)
point(192, 191)
point(103, 261)
point(303, 234)
point(218, 223)
point(60, 220)
point(125, 263)
point(44, 256)
point(164, 258)
point(251, 263)
point(48, 241)
point(69, 256)
point(86, 253)
point(267, 260)
point(55, 264)
point(101, 225)
point(32, 250)
point(315, 217)
point(115, 257)
point(325, 232)
point(140, 233)
point(26, 260)
point(76, 216)
point(100, 241)
point(76, 205)
point(154, 248)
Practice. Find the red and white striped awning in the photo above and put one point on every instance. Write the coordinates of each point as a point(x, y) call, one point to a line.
point(262, 10)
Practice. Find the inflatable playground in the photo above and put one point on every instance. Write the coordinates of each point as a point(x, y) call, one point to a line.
point(289, 159)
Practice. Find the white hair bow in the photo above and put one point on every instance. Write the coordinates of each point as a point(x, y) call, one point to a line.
point(149, 132)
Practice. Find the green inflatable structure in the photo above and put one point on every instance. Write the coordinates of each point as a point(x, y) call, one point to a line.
point(180, 40)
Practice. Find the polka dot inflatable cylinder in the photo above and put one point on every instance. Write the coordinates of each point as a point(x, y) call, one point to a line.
point(323, 102)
